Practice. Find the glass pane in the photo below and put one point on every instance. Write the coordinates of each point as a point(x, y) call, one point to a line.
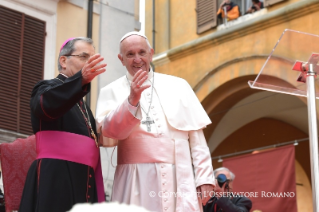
point(292, 49)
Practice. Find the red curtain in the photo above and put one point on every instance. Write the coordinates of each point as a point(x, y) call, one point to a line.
point(267, 178)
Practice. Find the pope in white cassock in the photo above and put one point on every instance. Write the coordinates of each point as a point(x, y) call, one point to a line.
point(157, 123)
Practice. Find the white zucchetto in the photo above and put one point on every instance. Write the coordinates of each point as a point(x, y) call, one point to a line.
point(132, 33)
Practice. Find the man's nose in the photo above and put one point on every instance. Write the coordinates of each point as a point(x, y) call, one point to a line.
point(137, 59)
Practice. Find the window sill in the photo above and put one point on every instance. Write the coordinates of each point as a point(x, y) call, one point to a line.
point(242, 19)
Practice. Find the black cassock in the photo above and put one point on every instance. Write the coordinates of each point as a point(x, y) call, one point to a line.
point(52, 184)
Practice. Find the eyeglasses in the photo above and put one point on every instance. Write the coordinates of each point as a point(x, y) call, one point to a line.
point(82, 56)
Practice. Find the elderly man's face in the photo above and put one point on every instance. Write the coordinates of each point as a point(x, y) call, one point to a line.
point(228, 176)
point(83, 51)
point(135, 54)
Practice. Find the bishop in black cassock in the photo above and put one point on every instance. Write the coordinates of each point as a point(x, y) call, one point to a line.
point(57, 106)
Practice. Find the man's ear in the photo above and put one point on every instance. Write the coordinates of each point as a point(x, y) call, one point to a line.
point(121, 59)
point(62, 61)
point(152, 52)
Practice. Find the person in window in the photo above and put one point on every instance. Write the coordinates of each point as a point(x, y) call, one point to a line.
point(228, 9)
point(66, 170)
point(257, 5)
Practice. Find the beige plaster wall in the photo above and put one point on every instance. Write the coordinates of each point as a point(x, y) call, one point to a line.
point(72, 22)
point(182, 22)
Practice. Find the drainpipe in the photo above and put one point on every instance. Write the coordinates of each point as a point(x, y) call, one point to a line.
point(89, 35)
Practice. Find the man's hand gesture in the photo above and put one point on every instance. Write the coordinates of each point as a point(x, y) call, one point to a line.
point(137, 87)
point(92, 68)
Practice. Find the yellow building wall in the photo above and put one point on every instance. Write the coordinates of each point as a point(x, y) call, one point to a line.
point(194, 65)
point(179, 22)
point(72, 22)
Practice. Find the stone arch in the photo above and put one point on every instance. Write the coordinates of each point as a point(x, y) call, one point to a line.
point(227, 85)
point(243, 67)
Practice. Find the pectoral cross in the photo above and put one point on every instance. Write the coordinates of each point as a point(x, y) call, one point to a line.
point(148, 123)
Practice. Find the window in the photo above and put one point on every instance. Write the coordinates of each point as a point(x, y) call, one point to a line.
point(21, 66)
point(245, 5)
point(207, 11)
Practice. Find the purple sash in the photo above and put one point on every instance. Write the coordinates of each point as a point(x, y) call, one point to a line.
point(72, 147)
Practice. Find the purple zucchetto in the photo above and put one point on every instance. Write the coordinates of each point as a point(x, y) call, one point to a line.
point(65, 42)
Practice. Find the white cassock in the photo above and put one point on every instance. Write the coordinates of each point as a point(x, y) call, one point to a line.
point(155, 167)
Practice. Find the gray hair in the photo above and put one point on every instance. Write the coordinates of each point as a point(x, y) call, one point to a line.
point(232, 175)
point(148, 43)
point(68, 48)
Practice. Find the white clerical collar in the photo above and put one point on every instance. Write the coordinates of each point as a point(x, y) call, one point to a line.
point(149, 78)
point(64, 75)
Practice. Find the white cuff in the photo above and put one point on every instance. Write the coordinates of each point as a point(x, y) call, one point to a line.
point(135, 110)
